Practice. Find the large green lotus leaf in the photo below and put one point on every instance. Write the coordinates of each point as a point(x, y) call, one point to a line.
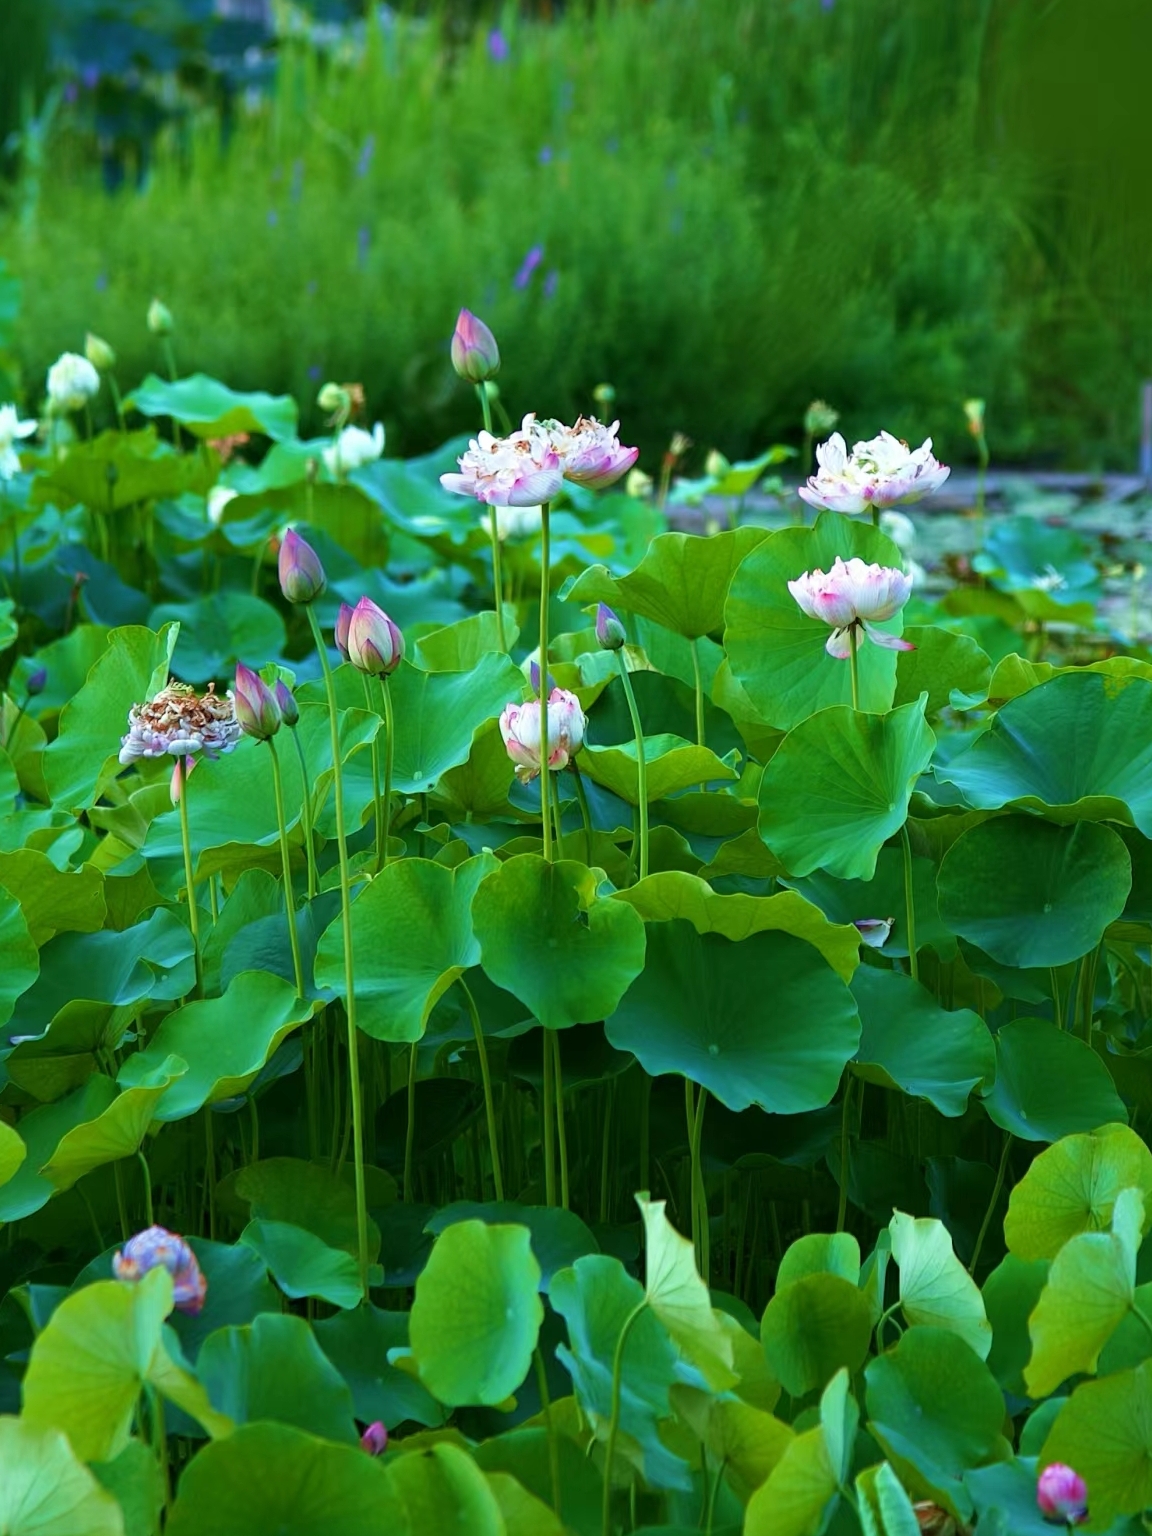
point(478, 790)
point(67, 662)
point(210, 409)
point(681, 582)
point(748, 1441)
point(308, 1195)
point(357, 1343)
point(766, 1021)
point(21, 964)
point(521, 1512)
point(820, 1253)
point(304, 1264)
point(885, 1508)
point(1089, 1292)
point(136, 1481)
point(458, 647)
point(1049, 1083)
point(680, 1298)
point(272, 1480)
point(776, 652)
point(12, 1152)
point(1105, 1432)
point(115, 470)
point(132, 668)
point(672, 764)
point(438, 713)
point(847, 901)
point(908, 1041)
point(1072, 1187)
point(1031, 894)
point(238, 1291)
point(46, 1491)
point(812, 1328)
point(936, 1411)
point(53, 900)
point(42, 1130)
point(411, 938)
point(838, 788)
point(950, 668)
point(225, 1041)
point(476, 1314)
point(596, 1297)
point(219, 630)
point(274, 1369)
point(674, 894)
point(800, 1495)
point(1015, 674)
point(526, 1455)
point(559, 1237)
point(1078, 748)
point(117, 1131)
point(442, 1489)
point(1010, 1294)
point(935, 1288)
point(545, 935)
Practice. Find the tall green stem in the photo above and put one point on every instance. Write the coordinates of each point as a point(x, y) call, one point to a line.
point(641, 762)
point(553, 1441)
point(909, 904)
point(547, 1120)
point(389, 759)
point(410, 1128)
point(186, 839)
point(306, 817)
point(845, 1143)
point(700, 1233)
point(378, 812)
point(614, 1418)
point(494, 532)
point(854, 663)
point(996, 1188)
point(349, 969)
point(585, 813)
point(286, 866)
point(545, 588)
point(561, 1130)
point(699, 693)
point(486, 1079)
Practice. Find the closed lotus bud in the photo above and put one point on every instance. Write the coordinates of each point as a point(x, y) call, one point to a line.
point(257, 711)
point(974, 411)
point(716, 466)
point(475, 355)
point(302, 577)
point(820, 418)
point(286, 702)
point(182, 770)
point(638, 485)
point(604, 395)
point(1062, 1494)
point(343, 619)
point(160, 321)
point(374, 1440)
point(609, 630)
point(99, 353)
point(37, 682)
point(157, 1248)
point(375, 644)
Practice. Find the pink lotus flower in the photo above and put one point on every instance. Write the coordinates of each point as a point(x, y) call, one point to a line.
point(475, 355)
point(257, 711)
point(375, 644)
point(1062, 1495)
point(591, 453)
point(523, 470)
point(880, 473)
point(852, 597)
point(520, 728)
point(157, 1248)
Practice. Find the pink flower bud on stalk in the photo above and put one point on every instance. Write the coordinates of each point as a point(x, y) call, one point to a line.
point(1062, 1495)
point(854, 597)
point(475, 355)
point(302, 578)
point(374, 1440)
point(343, 619)
point(520, 728)
point(255, 704)
point(375, 644)
point(609, 630)
point(286, 702)
point(179, 774)
point(157, 1248)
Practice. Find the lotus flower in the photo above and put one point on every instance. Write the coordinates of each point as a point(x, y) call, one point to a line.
point(475, 355)
point(179, 723)
point(302, 577)
point(218, 498)
point(374, 1440)
point(286, 702)
point(522, 470)
point(1062, 1495)
point(591, 453)
point(520, 728)
point(99, 353)
point(879, 473)
point(72, 382)
point(257, 711)
point(375, 644)
point(851, 597)
point(352, 450)
point(874, 931)
point(340, 633)
point(157, 1248)
point(609, 630)
point(11, 430)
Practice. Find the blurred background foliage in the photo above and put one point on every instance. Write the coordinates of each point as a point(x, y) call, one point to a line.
point(723, 207)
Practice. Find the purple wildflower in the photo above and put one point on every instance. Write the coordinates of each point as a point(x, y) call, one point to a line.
point(498, 49)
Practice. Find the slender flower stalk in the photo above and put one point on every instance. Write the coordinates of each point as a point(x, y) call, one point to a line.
point(641, 762)
point(486, 1079)
point(286, 866)
point(494, 529)
point(545, 589)
point(182, 770)
point(389, 759)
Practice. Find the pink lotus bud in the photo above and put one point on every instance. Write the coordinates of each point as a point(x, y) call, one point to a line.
point(374, 1440)
point(1062, 1495)
point(37, 682)
point(179, 774)
point(609, 630)
point(343, 619)
point(255, 704)
point(375, 644)
point(286, 702)
point(302, 577)
point(475, 355)
point(157, 1248)
point(520, 728)
point(854, 597)
point(874, 931)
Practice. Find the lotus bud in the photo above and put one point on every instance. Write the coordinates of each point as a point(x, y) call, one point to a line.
point(255, 704)
point(820, 418)
point(1062, 1494)
point(181, 772)
point(157, 1248)
point(99, 353)
point(974, 411)
point(160, 321)
point(475, 355)
point(609, 630)
point(874, 931)
point(375, 644)
point(716, 466)
point(37, 682)
point(302, 577)
point(286, 702)
point(343, 619)
point(604, 395)
point(374, 1440)
point(638, 484)
point(336, 401)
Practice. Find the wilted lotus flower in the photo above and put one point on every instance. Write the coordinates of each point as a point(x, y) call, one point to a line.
point(591, 453)
point(343, 619)
point(1062, 1495)
point(286, 702)
point(374, 1440)
point(302, 577)
point(851, 597)
point(520, 728)
point(522, 470)
point(72, 382)
point(352, 450)
point(874, 931)
point(375, 644)
point(609, 630)
point(475, 355)
point(878, 473)
point(179, 723)
point(257, 711)
point(157, 1248)
point(11, 430)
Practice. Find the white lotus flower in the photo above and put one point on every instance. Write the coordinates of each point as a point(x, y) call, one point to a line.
point(72, 382)
point(353, 449)
point(854, 597)
point(11, 430)
point(218, 498)
point(880, 473)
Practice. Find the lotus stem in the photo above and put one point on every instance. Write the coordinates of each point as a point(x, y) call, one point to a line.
point(545, 587)
point(486, 1079)
point(854, 663)
point(306, 818)
point(389, 759)
point(909, 904)
point(614, 1417)
point(494, 532)
point(189, 881)
point(286, 867)
point(641, 763)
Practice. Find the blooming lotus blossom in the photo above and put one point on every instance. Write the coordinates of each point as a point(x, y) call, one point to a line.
point(1062, 1495)
point(352, 450)
point(257, 711)
point(157, 1248)
point(522, 470)
point(11, 430)
point(375, 643)
point(178, 722)
point(873, 931)
point(880, 473)
point(72, 382)
point(591, 453)
point(520, 728)
point(475, 354)
point(852, 597)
